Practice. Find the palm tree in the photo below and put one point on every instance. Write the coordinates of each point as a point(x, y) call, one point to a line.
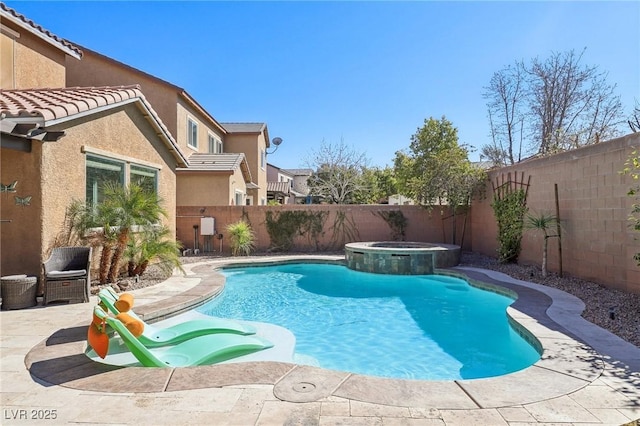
point(91, 225)
point(542, 222)
point(123, 209)
point(150, 245)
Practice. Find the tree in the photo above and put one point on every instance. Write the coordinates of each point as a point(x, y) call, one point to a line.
point(550, 105)
point(505, 95)
point(436, 169)
point(634, 119)
point(632, 168)
point(338, 175)
point(542, 222)
point(152, 244)
point(380, 183)
point(111, 222)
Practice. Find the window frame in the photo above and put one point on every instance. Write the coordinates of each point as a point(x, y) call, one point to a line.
point(217, 147)
point(192, 132)
point(126, 166)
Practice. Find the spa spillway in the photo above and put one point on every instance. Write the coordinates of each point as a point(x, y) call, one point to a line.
point(400, 257)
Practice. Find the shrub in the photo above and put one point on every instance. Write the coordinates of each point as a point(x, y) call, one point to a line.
point(242, 238)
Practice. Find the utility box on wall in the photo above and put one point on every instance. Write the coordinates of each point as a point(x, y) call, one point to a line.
point(207, 226)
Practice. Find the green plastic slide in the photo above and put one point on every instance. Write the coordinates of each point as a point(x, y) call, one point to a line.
point(201, 350)
point(156, 336)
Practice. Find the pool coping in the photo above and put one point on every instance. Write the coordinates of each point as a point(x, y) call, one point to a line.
point(567, 364)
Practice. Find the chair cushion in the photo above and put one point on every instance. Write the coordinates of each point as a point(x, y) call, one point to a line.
point(66, 274)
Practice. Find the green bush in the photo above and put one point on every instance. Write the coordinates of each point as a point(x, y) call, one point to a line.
point(510, 211)
point(242, 238)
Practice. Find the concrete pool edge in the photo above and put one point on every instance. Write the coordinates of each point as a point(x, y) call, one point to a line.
point(570, 365)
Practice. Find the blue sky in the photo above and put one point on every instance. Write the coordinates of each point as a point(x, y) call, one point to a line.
point(367, 73)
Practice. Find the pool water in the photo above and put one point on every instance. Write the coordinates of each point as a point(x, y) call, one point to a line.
point(430, 327)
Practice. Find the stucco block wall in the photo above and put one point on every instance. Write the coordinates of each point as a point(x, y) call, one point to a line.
point(597, 242)
point(32, 63)
point(422, 225)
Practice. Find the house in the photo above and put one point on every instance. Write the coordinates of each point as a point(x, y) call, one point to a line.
point(301, 184)
point(61, 144)
point(287, 186)
point(196, 131)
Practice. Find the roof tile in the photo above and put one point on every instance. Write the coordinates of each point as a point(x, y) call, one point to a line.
point(52, 104)
point(8, 12)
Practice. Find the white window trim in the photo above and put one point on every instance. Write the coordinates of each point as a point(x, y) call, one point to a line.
point(195, 122)
point(217, 142)
point(235, 198)
point(111, 155)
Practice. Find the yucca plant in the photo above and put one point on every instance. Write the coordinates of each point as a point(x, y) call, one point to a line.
point(242, 238)
point(153, 245)
point(546, 223)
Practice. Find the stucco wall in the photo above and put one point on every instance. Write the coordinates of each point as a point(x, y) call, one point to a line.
point(185, 112)
point(204, 189)
point(35, 63)
point(58, 176)
point(422, 225)
point(251, 145)
point(597, 243)
point(96, 70)
point(20, 229)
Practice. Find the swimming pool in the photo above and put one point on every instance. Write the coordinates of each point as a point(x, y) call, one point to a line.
point(430, 327)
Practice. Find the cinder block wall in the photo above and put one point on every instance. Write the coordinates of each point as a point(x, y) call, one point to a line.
point(361, 223)
point(597, 242)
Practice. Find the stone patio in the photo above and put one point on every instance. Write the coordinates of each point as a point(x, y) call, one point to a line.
point(586, 374)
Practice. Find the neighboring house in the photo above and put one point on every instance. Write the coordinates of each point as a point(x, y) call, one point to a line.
point(279, 185)
point(301, 184)
point(61, 144)
point(287, 186)
point(400, 200)
point(195, 130)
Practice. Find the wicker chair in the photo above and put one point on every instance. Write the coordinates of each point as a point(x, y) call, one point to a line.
point(67, 275)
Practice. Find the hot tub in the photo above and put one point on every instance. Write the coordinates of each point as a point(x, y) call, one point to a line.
point(400, 257)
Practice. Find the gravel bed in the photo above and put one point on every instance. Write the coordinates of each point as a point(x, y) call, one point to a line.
point(599, 300)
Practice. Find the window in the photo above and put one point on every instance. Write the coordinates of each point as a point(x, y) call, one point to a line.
point(215, 145)
point(239, 198)
point(263, 159)
point(192, 133)
point(100, 170)
point(145, 177)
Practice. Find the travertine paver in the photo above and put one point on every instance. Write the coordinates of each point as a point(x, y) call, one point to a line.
point(516, 414)
point(365, 409)
point(562, 409)
point(473, 417)
point(289, 413)
point(590, 389)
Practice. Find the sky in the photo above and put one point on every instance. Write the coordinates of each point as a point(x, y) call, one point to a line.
point(366, 74)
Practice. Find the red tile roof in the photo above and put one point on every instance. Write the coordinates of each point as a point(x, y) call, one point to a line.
point(56, 105)
point(8, 13)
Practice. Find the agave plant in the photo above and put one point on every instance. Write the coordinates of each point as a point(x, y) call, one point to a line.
point(542, 222)
point(242, 238)
point(152, 245)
